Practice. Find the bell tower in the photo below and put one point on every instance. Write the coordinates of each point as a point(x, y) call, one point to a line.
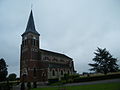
point(29, 51)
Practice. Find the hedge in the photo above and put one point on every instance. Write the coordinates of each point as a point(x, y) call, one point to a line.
point(95, 78)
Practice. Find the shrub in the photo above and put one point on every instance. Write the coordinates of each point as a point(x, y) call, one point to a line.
point(53, 80)
point(29, 85)
point(85, 79)
point(12, 77)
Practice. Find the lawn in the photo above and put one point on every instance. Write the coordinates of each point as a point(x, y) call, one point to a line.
point(107, 86)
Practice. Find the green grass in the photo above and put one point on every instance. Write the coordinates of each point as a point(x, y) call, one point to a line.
point(107, 86)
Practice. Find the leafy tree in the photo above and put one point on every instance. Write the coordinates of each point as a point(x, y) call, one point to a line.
point(3, 69)
point(12, 77)
point(104, 62)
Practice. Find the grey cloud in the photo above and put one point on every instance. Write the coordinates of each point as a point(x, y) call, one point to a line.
point(73, 27)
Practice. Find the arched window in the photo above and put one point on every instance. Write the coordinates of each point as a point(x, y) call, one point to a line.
point(68, 72)
point(43, 74)
point(33, 42)
point(61, 72)
point(34, 72)
point(53, 72)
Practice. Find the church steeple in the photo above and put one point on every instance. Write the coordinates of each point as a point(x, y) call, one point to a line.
point(30, 25)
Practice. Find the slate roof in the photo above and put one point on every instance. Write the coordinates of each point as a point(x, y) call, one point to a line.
point(55, 53)
point(30, 25)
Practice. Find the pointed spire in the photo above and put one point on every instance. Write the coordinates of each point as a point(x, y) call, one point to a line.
point(30, 25)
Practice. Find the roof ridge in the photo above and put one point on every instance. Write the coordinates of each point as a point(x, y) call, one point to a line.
point(56, 53)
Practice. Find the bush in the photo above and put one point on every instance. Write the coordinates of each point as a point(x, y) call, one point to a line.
point(6, 86)
point(53, 80)
point(12, 77)
point(62, 81)
point(67, 77)
point(70, 81)
point(85, 79)
point(74, 76)
point(58, 83)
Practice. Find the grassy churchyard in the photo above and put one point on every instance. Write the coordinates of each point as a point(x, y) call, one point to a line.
point(105, 86)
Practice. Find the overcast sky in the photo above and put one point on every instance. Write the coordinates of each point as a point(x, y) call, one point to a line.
point(72, 27)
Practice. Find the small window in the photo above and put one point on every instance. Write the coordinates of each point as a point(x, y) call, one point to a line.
point(43, 74)
point(46, 58)
point(34, 41)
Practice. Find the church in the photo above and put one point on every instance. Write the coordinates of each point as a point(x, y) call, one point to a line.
point(39, 65)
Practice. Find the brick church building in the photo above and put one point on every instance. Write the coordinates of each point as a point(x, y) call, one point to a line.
point(39, 65)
